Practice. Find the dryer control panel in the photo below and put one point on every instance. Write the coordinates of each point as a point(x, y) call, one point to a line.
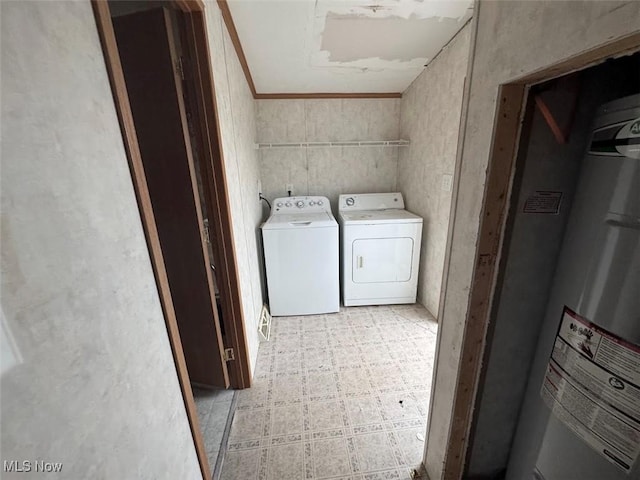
point(300, 204)
point(370, 201)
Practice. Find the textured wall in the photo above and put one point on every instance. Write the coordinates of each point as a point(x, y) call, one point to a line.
point(328, 171)
point(237, 116)
point(532, 35)
point(97, 389)
point(430, 118)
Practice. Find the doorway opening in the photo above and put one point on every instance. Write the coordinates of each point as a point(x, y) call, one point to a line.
point(551, 166)
point(556, 101)
point(158, 62)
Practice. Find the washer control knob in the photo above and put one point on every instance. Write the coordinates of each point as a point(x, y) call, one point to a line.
point(299, 204)
point(279, 204)
point(320, 202)
point(288, 204)
point(350, 201)
point(311, 203)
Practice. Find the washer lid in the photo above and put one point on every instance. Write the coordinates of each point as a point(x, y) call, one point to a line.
point(377, 217)
point(299, 220)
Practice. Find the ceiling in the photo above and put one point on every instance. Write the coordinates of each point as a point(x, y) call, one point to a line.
point(321, 46)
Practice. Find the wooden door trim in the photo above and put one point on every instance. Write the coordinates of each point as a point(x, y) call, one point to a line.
point(217, 197)
point(493, 222)
point(194, 187)
point(190, 5)
point(130, 139)
point(239, 369)
point(218, 201)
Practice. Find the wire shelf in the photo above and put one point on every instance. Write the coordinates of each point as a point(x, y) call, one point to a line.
point(354, 143)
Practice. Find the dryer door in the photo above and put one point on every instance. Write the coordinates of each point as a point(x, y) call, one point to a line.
point(380, 263)
point(382, 260)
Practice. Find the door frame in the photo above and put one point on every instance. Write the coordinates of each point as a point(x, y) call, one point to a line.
point(216, 191)
point(218, 200)
point(476, 339)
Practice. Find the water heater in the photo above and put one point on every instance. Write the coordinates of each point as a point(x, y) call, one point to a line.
point(581, 415)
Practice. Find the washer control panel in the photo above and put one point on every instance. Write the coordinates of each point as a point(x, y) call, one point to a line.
point(299, 204)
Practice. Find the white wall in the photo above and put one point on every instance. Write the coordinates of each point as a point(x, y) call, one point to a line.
point(97, 388)
point(430, 119)
point(513, 39)
point(328, 171)
point(237, 117)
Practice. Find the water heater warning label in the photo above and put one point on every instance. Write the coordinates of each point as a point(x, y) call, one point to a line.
point(592, 385)
point(543, 202)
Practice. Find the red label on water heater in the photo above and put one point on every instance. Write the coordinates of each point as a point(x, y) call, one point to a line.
point(592, 385)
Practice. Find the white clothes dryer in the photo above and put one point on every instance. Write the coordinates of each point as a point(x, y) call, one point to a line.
point(301, 257)
point(380, 243)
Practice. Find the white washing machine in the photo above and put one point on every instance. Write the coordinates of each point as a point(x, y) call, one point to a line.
point(301, 257)
point(380, 243)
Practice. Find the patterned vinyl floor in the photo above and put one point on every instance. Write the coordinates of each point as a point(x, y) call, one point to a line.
point(340, 396)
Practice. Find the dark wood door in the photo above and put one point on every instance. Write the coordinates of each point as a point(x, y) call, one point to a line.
point(147, 45)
